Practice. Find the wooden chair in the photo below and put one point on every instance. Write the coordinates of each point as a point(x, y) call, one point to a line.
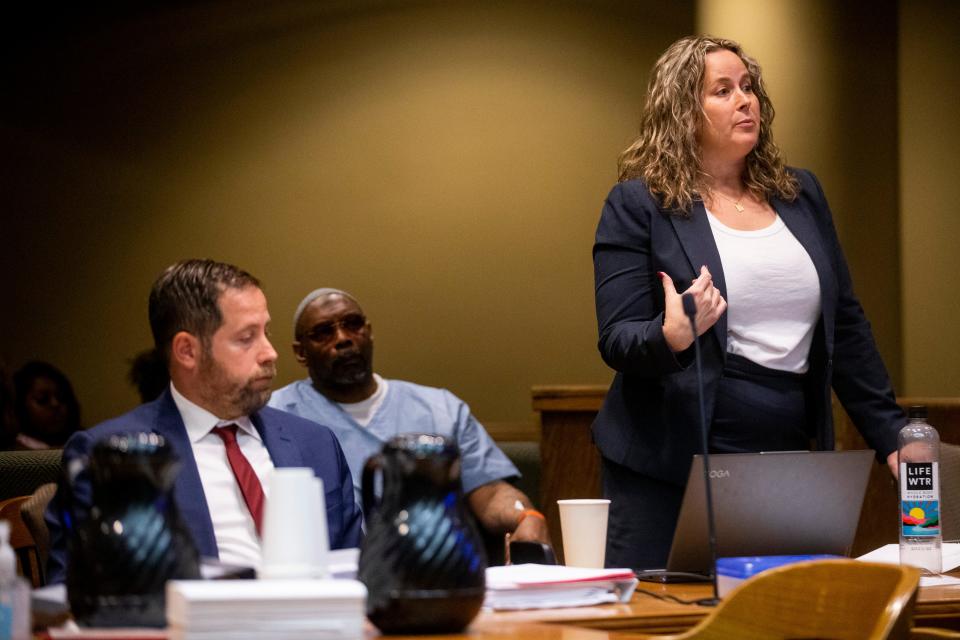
point(28, 561)
point(32, 511)
point(836, 599)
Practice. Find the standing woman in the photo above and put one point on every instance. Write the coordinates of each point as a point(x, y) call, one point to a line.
point(705, 205)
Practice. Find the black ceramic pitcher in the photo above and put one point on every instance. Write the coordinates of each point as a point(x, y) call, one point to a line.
point(421, 560)
point(132, 541)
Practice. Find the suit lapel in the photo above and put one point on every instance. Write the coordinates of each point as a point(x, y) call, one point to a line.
point(187, 489)
point(696, 238)
point(283, 451)
point(804, 229)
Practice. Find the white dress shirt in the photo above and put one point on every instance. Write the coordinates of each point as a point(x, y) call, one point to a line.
point(233, 527)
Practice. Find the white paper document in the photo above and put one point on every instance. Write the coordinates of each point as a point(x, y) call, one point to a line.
point(890, 554)
point(535, 586)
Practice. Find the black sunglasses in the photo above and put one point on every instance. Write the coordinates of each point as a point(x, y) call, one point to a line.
point(327, 331)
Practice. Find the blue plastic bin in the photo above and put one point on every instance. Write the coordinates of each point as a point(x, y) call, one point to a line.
point(732, 571)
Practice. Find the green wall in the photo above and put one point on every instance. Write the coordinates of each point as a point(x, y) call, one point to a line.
point(929, 133)
point(444, 161)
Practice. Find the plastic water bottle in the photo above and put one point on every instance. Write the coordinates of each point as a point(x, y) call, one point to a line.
point(14, 592)
point(919, 460)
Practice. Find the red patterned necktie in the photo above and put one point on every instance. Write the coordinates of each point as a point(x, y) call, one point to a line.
point(244, 473)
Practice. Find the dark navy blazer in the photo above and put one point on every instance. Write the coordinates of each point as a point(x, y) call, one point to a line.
point(649, 419)
point(291, 441)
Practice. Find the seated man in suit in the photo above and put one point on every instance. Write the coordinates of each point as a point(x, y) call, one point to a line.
point(334, 341)
point(210, 323)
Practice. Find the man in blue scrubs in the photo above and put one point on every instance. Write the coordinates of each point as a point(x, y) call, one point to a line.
point(334, 341)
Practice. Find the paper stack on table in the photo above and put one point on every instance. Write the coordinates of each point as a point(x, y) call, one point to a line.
point(265, 609)
point(537, 586)
point(890, 554)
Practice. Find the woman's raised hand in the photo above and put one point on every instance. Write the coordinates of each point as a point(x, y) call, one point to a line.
point(710, 306)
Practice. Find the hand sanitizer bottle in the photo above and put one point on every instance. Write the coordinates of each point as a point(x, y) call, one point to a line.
point(919, 460)
point(14, 592)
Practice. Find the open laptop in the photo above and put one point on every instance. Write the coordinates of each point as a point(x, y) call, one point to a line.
point(776, 503)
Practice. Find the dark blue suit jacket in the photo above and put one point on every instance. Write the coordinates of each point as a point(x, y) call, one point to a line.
point(649, 421)
point(291, 441)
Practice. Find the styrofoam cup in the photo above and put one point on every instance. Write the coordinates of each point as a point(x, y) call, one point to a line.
point(294, 526)
point(583, 526)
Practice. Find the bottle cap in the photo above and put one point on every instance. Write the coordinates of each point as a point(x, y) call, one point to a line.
point(917, 411)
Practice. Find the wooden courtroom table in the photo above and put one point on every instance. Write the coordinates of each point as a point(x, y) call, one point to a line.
point(935, 607)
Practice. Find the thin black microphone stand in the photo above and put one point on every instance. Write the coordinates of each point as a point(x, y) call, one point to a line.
point(690, 309)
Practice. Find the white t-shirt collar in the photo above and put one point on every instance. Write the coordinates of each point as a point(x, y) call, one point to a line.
point(363, 412)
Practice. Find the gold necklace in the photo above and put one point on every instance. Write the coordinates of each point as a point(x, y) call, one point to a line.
point(735, 203)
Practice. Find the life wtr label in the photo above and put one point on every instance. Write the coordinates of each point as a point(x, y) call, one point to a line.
point(919, 499)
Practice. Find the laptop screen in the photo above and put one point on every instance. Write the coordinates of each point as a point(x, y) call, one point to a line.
point(777, 503)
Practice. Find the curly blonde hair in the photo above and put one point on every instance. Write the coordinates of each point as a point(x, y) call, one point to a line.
point(666, 155)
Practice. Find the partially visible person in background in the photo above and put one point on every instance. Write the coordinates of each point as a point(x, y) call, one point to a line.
point(45, 407)
point(148, 373)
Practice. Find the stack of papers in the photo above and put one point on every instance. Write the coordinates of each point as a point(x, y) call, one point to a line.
point(537, 586)
point(890, 554)
point(265, 609)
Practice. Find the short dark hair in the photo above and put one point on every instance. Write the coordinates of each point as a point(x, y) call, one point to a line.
point(185, 298)
point(148, 373)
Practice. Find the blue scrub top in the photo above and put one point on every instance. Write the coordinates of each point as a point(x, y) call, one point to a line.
point(407, 408)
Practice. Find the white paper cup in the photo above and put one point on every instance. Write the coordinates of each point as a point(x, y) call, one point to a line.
point(295, 514)
point(583, 525)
